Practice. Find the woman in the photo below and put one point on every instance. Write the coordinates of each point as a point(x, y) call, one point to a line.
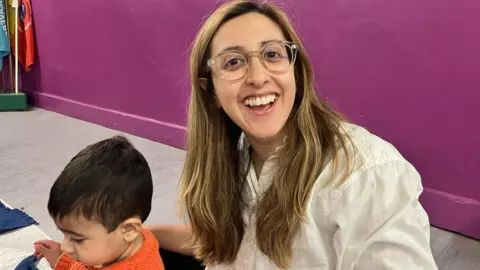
point(274, 178)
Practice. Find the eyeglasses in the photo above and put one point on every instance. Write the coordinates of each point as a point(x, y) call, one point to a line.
point(276, 57)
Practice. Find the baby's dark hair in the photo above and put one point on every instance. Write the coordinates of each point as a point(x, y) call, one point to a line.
point(108, 182)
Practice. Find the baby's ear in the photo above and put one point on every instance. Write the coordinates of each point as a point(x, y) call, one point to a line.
point(131, 228)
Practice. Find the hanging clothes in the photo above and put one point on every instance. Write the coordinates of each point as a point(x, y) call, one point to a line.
point(4, 43)
point(26, 43)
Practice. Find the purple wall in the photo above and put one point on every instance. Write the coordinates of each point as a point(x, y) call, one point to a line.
point(406, 69)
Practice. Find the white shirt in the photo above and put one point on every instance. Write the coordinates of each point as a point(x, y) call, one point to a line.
point(373, 221)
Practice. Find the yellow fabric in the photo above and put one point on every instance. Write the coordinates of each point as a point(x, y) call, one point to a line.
point(11, 18)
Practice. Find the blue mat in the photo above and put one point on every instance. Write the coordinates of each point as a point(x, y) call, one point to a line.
point(12, 219)
point(28, 263)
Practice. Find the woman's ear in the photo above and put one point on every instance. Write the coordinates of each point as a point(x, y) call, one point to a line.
point(203, 82)
point(130, 229)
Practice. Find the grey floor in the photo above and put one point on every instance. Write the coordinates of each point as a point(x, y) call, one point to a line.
point(36, 145)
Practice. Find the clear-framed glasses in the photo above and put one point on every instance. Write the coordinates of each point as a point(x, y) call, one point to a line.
point(276, 57)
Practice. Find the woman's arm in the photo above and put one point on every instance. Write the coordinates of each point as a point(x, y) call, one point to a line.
point(173, 237)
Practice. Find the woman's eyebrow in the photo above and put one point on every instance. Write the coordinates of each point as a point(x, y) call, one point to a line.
point(266, 42)
point(240, 48)
point(231, 48)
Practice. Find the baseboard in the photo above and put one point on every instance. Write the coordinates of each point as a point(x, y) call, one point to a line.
point(452, 212)
point(165, 133)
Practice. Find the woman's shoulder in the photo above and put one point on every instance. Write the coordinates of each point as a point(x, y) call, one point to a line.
point(367, 149)
point(373, 163)
point(364, 151)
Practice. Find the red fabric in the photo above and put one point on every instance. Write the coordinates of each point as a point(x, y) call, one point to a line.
point(26, 43)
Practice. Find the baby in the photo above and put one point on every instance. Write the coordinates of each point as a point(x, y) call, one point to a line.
point(99, 202)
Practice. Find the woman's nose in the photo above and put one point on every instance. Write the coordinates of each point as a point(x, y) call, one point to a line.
point(257, 74)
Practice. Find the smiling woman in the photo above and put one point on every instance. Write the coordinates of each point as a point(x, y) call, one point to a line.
point(232, 64)
point(254, 60)
point(274, 177)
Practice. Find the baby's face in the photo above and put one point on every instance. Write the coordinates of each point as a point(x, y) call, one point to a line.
point(89, 243)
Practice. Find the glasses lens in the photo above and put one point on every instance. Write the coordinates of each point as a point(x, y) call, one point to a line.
point(231, 66)
point(278, 57)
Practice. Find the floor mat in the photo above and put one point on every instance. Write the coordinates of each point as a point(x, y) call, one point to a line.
point(18, 244)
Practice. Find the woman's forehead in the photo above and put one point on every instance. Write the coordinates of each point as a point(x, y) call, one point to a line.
point(250, 31)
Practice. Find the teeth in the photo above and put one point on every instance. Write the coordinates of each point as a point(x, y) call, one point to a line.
point(259, 101)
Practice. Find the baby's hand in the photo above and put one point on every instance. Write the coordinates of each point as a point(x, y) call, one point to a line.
point(48, 249)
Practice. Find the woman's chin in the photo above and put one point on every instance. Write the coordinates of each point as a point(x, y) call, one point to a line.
point(264, 134)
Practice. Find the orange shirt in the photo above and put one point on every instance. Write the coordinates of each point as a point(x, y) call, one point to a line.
point(147, 258)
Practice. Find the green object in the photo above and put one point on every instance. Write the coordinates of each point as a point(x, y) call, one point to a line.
point(10, 101)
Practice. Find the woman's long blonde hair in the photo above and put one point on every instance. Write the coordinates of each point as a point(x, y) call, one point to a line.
point(212, 179)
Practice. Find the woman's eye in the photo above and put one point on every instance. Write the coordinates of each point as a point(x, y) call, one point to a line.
point(272, 55)
point(233, 62)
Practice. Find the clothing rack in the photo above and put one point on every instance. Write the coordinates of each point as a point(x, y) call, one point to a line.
point(12, 99)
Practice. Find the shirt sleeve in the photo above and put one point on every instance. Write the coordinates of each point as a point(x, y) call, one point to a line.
point(380, 222)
